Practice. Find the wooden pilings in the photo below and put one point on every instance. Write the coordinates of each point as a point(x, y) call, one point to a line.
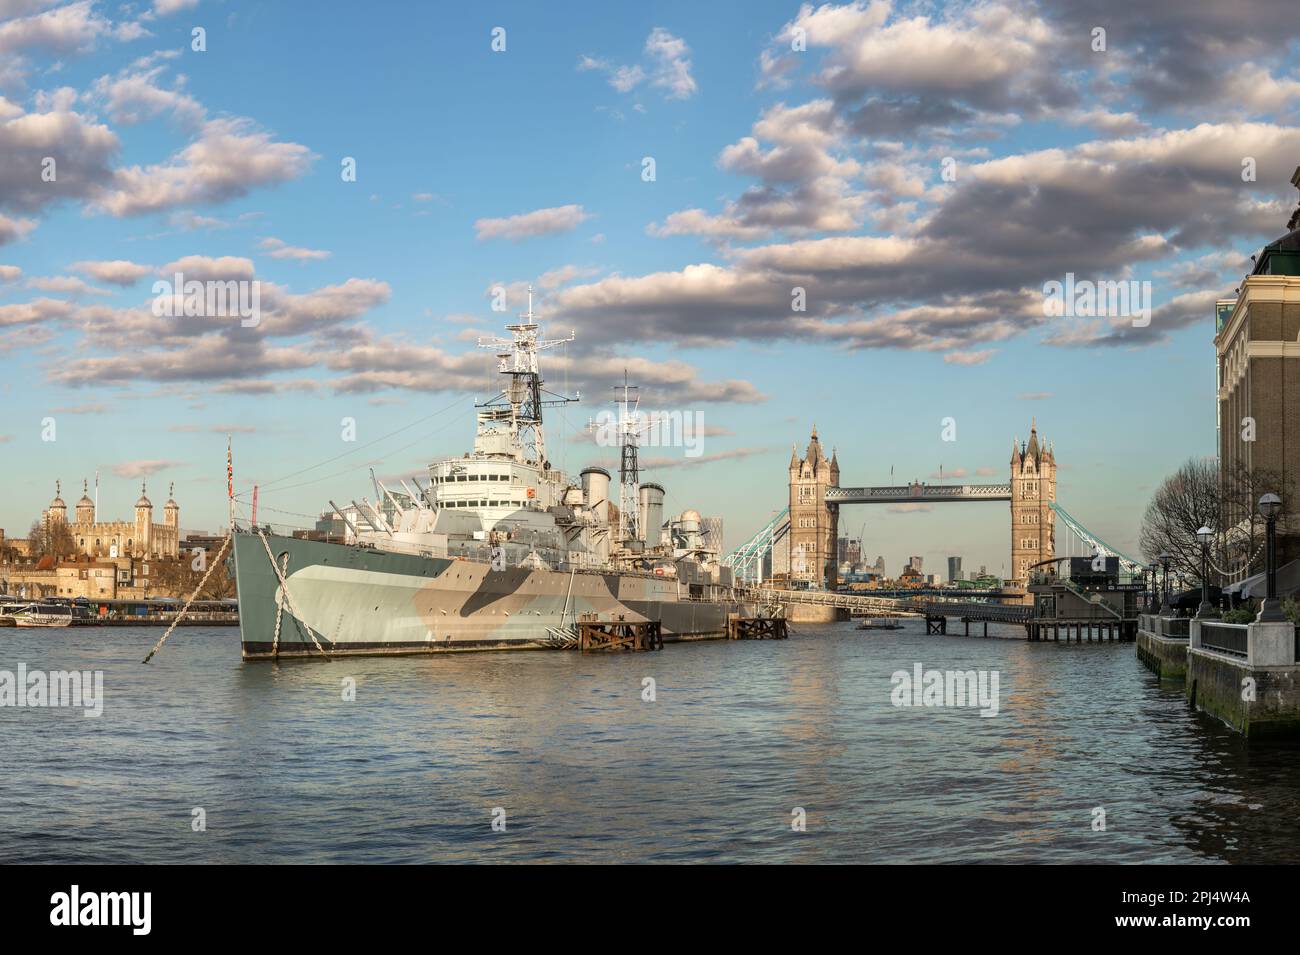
point(756, 628)
point(1081, 631)
point(595, 636)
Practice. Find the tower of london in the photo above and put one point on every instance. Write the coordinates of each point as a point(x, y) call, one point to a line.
point(141, 538)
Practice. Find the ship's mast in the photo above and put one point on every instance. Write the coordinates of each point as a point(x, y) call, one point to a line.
point(517, 357)
point(629, 475)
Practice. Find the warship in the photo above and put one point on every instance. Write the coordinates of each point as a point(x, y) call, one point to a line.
point(495, 550)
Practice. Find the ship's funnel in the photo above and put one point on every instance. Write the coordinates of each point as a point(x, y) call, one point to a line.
point(650, 514)
point(595, 492)
point(688, 527)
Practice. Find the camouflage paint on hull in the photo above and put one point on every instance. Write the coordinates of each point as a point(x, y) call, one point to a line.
point(365, 601)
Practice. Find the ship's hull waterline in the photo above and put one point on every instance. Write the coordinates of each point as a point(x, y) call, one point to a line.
point(361, 600)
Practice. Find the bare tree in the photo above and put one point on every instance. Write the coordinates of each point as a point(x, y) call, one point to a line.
point(1199, 495)
point(51, 538)
point(178, 577)
point(1243, 526)
point(1187, 500)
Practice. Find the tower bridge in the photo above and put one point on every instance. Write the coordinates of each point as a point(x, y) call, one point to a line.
point(806, 554)
point(800, 539)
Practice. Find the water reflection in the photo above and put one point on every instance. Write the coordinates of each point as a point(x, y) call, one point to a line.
point(740, 734)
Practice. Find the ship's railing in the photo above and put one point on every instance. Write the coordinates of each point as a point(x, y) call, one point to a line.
point(270, 529)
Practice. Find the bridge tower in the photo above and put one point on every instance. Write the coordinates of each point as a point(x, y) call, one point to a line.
point(814, 524)
point(1033, 491)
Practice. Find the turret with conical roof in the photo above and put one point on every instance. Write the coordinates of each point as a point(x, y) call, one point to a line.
point(143, 524)
point(57, 511)
point(171, 510)
point(85, 506)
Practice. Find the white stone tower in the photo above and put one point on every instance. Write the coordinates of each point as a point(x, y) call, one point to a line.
point(57, 511)
point(85, 507)
point(172, 510)
point(143, 525)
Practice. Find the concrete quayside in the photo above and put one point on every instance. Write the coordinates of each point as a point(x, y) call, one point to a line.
point(1246, 675)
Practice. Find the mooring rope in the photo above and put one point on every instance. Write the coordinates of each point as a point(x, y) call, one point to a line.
point(180, 616)
point(279, 614)
point(293, 607)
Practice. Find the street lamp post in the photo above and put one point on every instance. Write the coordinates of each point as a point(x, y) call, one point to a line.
point(1270, 611)
point(1167, 607)
point(1154, 602)
point(1206, 609)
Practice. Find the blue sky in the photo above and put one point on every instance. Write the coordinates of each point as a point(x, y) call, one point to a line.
point(776, 167)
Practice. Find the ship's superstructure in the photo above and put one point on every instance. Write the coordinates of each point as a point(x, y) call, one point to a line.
point(504, 501)
point(495, 548)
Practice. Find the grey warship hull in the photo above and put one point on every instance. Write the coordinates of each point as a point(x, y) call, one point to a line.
point(363, 600)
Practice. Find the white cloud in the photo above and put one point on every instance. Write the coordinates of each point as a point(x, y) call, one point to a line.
point(80, 148)
point(667, 66)
point(672, 63)
point(531, 224)
point(64, 285)
point(143, 468)
point(167, 7)
point(12, 229)
point(228, 160)
point(277, 249)
point(115, 271)
point(72, 28)
point(33, 312)
point(133, 96)
point(969, 357)
point(204, 268)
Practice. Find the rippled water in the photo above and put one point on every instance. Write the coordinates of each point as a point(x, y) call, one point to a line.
point(741, 733)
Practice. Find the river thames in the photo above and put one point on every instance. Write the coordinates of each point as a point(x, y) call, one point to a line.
point(739, 736)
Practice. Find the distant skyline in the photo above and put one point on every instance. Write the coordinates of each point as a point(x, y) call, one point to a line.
point(911, 174)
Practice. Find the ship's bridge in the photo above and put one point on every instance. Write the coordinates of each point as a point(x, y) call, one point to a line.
point(494, 486)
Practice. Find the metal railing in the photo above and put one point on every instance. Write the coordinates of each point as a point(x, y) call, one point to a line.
point(1172, 628)
point(1229, 638)
point(1175, 627)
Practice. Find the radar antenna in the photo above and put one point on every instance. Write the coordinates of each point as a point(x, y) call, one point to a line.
point(523, 398)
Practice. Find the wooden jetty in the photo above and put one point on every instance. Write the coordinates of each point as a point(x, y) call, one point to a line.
point(756, 628)
point(597, 636)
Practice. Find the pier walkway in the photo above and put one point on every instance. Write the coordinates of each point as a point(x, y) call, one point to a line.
point(935, 612)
